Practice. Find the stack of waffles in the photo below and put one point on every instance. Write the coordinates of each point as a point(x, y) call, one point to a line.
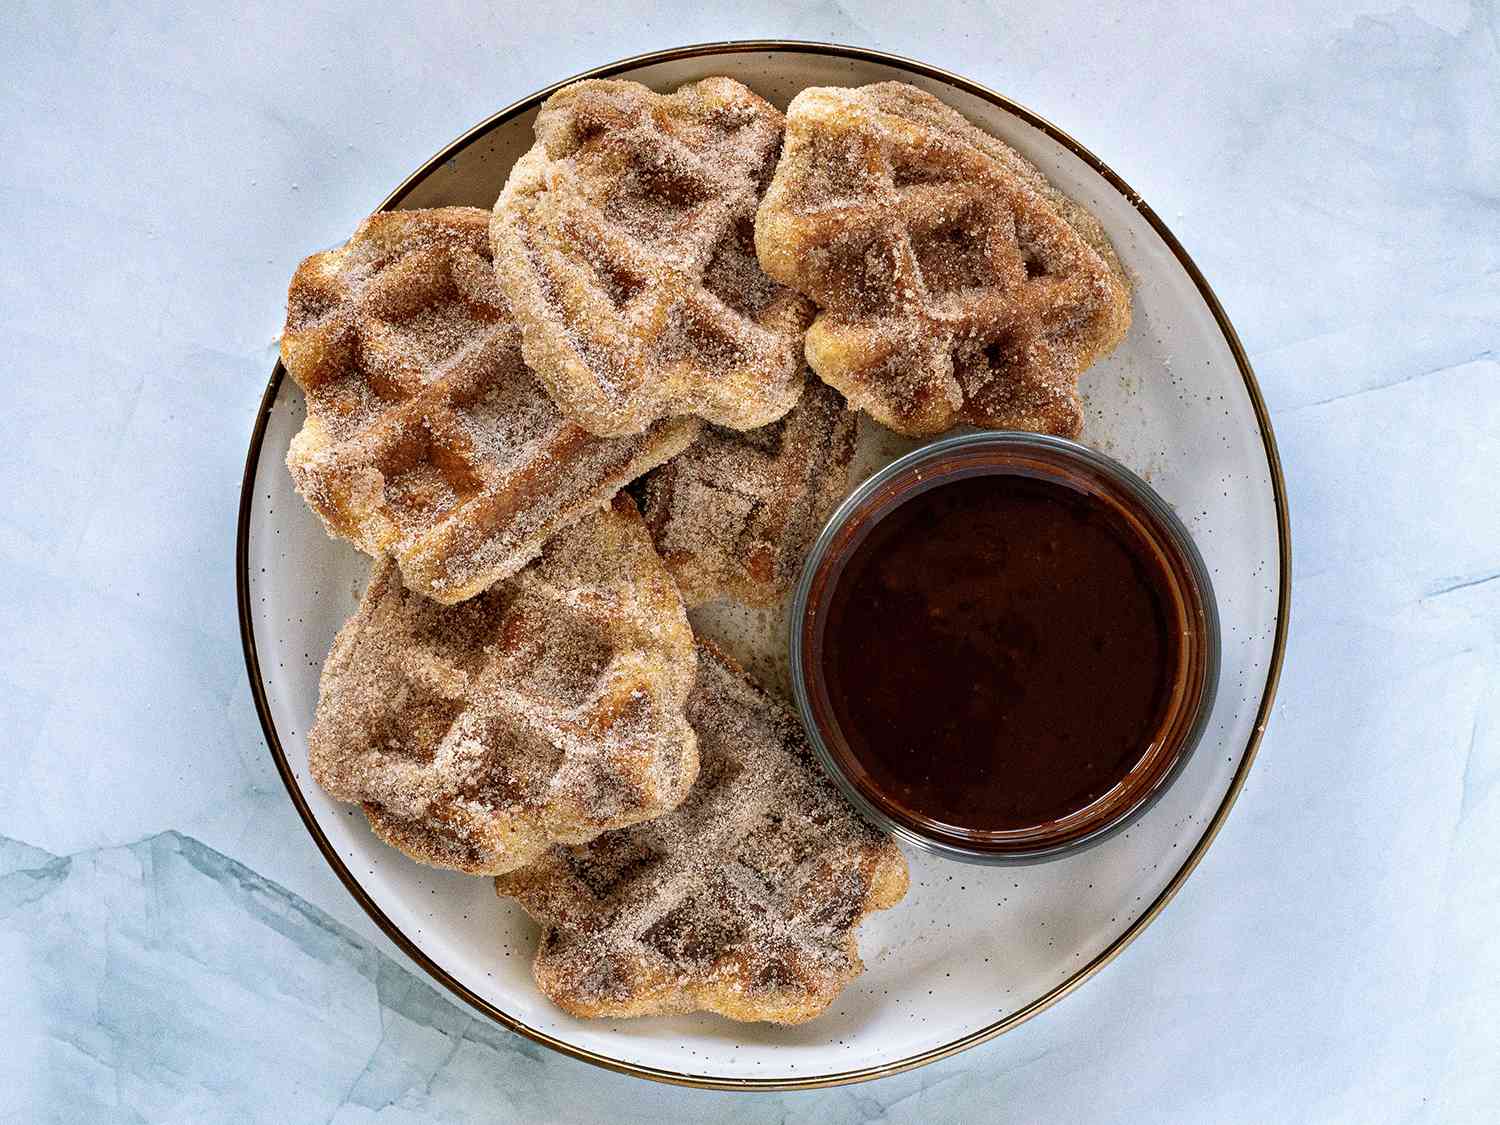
point(695, 296)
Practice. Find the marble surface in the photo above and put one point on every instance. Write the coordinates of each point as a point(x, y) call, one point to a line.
point(172, 947)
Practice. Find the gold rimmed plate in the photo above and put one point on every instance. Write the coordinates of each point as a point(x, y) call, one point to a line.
point(971, 952)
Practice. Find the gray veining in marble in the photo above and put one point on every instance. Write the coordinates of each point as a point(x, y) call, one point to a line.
point(172, 948)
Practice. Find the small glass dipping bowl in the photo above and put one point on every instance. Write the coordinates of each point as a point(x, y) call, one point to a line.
point(1188, 594)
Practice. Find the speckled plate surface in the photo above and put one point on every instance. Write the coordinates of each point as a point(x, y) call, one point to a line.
point(971, 951)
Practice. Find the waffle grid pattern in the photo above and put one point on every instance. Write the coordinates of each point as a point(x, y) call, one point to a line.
point(955, 284)
point(625, 241)
point(744, 901)
point(549, 708)
point(427, 437)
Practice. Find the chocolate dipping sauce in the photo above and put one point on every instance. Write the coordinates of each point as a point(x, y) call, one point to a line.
point(999, 651)
point(1004, 647)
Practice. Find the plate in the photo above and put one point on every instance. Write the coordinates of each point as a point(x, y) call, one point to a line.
point(972, 951)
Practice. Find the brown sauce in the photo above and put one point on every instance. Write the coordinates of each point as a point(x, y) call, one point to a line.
point(998, 651)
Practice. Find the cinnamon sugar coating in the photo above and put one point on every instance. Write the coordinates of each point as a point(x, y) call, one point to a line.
point(427, 437)
point(735, 514)
point(745, 901)
point(625, 242)
point(549, 708)
point(954, 283)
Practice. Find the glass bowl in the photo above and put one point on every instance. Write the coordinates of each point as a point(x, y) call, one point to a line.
point(1187, 591)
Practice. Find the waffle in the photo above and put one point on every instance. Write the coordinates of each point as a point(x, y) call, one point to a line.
point(954, 283)
point(550, 707)
point(744, 901)
point(736, 513)
point(625, 242)
point(426, 435)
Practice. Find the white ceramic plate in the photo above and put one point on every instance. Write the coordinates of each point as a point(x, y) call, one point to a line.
point(971, 951)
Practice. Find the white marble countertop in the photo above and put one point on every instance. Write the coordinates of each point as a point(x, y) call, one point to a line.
point(171, 945)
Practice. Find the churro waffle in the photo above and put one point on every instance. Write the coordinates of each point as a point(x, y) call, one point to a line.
point(427, 437)
point(550, 707)
point(744, 901)
point(954, 283)
point(735, 514)
point(625, 242)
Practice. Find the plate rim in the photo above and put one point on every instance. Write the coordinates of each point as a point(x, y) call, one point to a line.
point(1148, 915)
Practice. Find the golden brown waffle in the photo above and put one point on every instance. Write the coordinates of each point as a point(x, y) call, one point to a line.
point(955, 284)
point(550, 707)
point(426, 435)
point(625, 242)
point(735, 514)
point(745, 901)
